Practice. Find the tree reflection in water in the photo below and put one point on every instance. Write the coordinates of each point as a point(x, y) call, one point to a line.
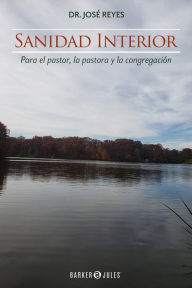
point(84, 171)
point(4, 168)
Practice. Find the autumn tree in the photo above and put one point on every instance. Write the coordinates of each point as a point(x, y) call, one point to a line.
point(126, 150)
point(4, 132)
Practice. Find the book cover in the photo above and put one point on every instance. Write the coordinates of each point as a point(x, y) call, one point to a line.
point(95, 144)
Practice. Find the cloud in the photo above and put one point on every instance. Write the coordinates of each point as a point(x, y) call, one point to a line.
point(97, 100)
point(177, 144)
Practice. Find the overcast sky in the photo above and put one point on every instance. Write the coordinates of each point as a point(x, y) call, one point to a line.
point(149, 103)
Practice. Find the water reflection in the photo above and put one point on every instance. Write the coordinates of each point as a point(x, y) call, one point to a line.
point(57, 217)
point(4, 168)
point(85, 170)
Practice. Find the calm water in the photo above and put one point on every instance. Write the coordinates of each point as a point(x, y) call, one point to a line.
point(62, 216)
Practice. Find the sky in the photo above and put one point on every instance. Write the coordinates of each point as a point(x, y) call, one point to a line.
point(152, 104)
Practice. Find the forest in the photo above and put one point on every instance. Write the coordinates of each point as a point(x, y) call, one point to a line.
point(84, 148)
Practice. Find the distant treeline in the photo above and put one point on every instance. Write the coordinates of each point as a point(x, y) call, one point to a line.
point(85, 148)
point(91, 149)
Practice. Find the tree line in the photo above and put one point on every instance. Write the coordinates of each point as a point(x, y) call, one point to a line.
point(84, 148)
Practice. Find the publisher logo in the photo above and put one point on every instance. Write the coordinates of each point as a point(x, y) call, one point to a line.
point(95, 275)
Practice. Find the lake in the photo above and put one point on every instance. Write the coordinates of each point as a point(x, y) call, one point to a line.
point(58, 217)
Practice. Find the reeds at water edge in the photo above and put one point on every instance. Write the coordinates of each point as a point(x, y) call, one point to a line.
point(189, 229)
